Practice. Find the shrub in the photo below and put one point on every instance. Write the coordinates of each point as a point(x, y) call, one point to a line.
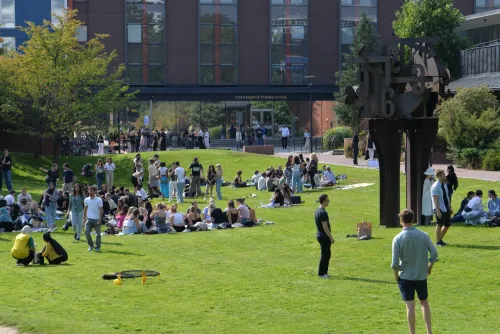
point(470, 158)
point(214, 132)
point(334, 138)
point(491, 160)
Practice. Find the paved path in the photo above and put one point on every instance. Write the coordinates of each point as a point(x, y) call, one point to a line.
point(461, 172)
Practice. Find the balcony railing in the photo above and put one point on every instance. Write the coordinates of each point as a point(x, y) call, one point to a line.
point(481, 59)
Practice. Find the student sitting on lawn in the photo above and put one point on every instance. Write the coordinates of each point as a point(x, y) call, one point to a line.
point(493, 204)
point(238, 182)
point(244, 213)
point(232, 213)
point(328, 178)
point(458, 218)
point(262, 184)
point(161, 217)
point(53, 251)
point(177, 219)
point(24, 247)
point(277, 201)
point(287, 194)
point(256, 177)
point(473, 212)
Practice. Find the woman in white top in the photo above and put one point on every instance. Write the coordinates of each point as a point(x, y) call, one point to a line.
point(131, 224)
point(427, 197)
point(206, 139)
point(109, 167)
point(296, 175)
point(177, 219)
point(154, 178)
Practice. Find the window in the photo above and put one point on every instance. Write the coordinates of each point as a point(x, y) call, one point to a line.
point(145, 42)
point(7, 14)
point(57, 9)
point(81, 33)
point(218, 23)
point(7, 43)
point(486, 5)
point(289, 51)
point(350, 15)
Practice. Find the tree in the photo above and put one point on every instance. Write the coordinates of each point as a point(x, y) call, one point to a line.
point(470, 123)
point(282, 114)
point(206, 115)
point(56, 82)
point(365, 36)
point(433, 18)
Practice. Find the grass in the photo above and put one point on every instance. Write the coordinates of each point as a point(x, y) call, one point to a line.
point(257, 280)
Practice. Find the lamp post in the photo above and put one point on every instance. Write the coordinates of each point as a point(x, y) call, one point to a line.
point(310, 78)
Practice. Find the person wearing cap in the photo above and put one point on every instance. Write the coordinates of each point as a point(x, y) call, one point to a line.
point(24, 247)
point(427, 197)
point(53, 251)
point(411, 266)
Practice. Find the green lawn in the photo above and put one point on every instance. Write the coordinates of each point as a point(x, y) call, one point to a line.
point(256, 280)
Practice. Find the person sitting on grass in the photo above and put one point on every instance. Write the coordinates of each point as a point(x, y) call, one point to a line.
point(24, 247)
point(256, 177)
point(276, 201)
point(270, 182)
point(244, 213)
point(238, 182)
point(262, 184)
point(458, 218)
point(328, 178)
point(287, 194)
point(132, 224)
point(192, 218)
point(493, 204)
point(177, 219)
point(161, 217)
point(120, 216)
point(474, 211)
point(232, 213)
point(53, 251)
point(279, 172)
point(140, 192)
point(6, 222)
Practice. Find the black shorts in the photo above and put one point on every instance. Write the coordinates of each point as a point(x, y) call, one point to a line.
point(408, 288)
point(445, 219)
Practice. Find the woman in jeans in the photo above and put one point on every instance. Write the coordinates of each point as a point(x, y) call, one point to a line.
point(76, 208)
point(50, 205)
point(296, 175)
point(99, 173)
point(312, 169)
point(218, 181)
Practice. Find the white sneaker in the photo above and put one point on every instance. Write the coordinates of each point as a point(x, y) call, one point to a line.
point(325, 276)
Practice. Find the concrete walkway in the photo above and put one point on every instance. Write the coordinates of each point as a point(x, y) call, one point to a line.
point(340, 160)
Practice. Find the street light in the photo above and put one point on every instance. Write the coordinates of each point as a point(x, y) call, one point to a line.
point(310, 78)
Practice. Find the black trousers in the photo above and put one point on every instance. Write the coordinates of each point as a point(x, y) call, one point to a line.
point(284, 142)
point(324, 261)
point(59, 260)
point(313, 182)
point(355, 154)
point(26, 260)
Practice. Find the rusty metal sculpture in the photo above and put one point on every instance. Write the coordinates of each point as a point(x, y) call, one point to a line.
point(399, 97)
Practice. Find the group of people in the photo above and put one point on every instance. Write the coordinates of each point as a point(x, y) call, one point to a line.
point(24, 249)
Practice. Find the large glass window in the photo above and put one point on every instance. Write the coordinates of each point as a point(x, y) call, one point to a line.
point(145, 42)
point(7, 13)
point(289, 51)
point(57, 9)
point(218, 42)
point(486, 5)
point(350, 15)
point(7, 43)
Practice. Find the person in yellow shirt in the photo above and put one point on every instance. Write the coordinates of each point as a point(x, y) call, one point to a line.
point(24, 247)
point(53, 251)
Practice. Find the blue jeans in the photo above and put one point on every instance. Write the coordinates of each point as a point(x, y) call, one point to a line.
point(90, 225)
point(76, 222)
point(218, 186)
point(50, 212)
point(7, 174)
point(99, 178)
point(260, 141)
point(180, 192)
point(296, 182)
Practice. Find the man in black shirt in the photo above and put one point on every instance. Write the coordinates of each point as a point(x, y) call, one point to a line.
point(6, 169)
point(196, 169)
point(258, 134)
point(323, 235)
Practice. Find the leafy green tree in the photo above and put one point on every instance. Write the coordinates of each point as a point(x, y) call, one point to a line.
point(433, 18)
point(206, 115)
point(470, 123)
point(282, 114)
point(56, 82)
point(365, 36)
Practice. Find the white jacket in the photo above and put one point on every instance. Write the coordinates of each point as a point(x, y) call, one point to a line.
point(427, 198)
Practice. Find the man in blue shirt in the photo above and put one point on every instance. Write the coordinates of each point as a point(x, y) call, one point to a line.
point(411, 267)
point(441, 204)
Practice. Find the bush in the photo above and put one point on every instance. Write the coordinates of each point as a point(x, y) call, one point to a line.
point(334, 138)
point(214, 132)
point(491, 160)
point(467, 157)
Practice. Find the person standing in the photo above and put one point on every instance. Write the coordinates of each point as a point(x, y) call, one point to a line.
point(258, 135)
point(211, 178)
point(323, 235)
point(173, 183)
point(371, 147)
point(441, 204)
point(49, 204)
point(52, 174)
point(206, 139)
point(7, 169)
point(75, 206)
point(427, 197)
point(307, 140)
point(451, 180)
point(92, 215)
point(68, 177)
point(285, 133)
point(156, 138)
point(411, 266)
point(218, 181)
point(196, 170)
point(355, 148)
point(109, 167)
point(164, 186)
point(99, 173)
point(181, 181)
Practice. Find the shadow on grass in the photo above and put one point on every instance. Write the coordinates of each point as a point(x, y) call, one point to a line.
point(47, 265)
point(112, 243)
point(4, 240)
point(122, 253)
point(483, 247)
point(361, 279)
